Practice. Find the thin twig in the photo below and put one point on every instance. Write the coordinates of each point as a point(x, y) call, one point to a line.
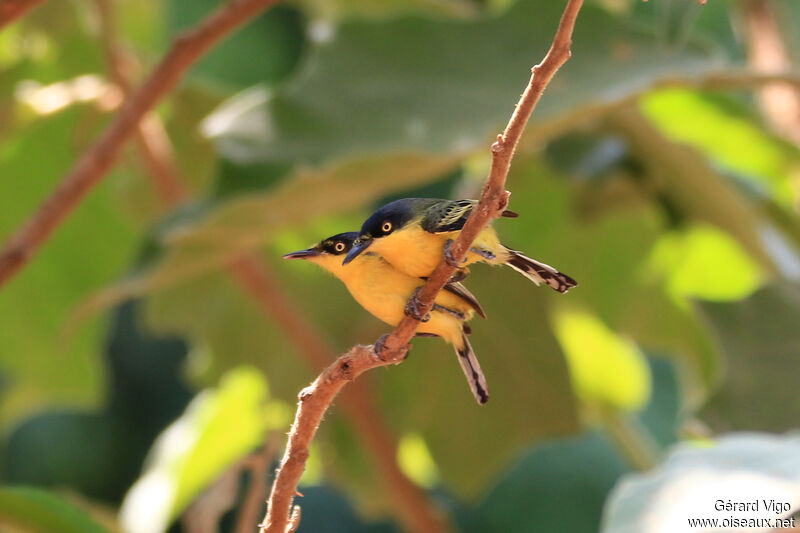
point(315, 399)
point(96, 161)
point(11, 10)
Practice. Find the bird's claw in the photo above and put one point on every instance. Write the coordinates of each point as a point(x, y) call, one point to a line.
point(459, 275)
point(412, 307)
point(448, 255)
point(380, 346)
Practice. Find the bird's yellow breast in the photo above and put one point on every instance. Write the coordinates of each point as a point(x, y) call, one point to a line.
point(384, 291)
point(417, 252)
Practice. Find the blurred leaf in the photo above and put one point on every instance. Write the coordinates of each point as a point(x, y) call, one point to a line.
point(247, 221)
point(605, 368)
point(415, 460)
point(388, 9)
point(664, 412)
point(218, 428)
point(325, 510)
point(558, 486)
point(100, 453)
point(703, 262)
point(43, 368)
point(264, 50)
point(404, 85)
point(719, 127)
point(761, 341)
point(737, 468)
point(38, 511)
point(684, 178)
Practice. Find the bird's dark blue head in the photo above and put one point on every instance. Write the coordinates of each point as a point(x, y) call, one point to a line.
point(387, 219)
point(338, 244)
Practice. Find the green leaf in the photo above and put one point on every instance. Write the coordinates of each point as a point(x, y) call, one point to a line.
point(605, 369)
point(264, 50)
point(719, 128)
point(736, 468)
point(77, 259)
point(39, 511)
point(245, 222)
point(761, 340)
point(218, 428)
point(704, 262)
point(559, 486)
point(436, 86)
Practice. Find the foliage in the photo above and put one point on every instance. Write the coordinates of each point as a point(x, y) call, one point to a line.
point(674, 207)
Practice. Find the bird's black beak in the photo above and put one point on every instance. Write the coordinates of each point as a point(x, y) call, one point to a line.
point(358, 247)
point(303, 254)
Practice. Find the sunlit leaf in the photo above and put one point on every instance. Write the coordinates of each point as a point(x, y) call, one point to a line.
point(605, 369)
point(218, 428)
point(720, 128)
point(703, 262)
point(415, 460)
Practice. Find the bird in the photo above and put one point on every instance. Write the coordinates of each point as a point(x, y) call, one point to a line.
point(412, 234)
point(386, 292)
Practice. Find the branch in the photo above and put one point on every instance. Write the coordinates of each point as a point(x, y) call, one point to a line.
point(11, 10)
point(96, 161)
point(315, 399)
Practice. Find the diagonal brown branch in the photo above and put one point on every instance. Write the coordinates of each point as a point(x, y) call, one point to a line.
point(315, 399)
point(96, 161)
point(11, 10)
point(413, 509)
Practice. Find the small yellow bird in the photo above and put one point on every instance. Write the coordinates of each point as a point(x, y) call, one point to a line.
point(385, 292)
point(412, 233)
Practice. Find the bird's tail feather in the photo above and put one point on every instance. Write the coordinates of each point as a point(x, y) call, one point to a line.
point(472, 370)
point(539, 272)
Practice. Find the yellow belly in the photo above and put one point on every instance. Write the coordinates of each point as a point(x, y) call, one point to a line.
point(417, 253)
point(384, 291)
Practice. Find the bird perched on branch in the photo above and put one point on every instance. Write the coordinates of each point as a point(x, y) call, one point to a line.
point(387, 293)
point(413, 233)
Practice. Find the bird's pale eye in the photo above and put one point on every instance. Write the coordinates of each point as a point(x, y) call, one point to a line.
point(339, 246)
point(387, 227)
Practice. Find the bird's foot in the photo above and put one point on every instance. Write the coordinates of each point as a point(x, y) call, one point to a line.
point(412, 307)
point(380, 345)
point(486, 254)
point(459, 276)
point(448, 255)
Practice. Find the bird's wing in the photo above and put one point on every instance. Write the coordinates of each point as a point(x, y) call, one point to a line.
point(447, 215)
point(462, 292)
point(451, 215)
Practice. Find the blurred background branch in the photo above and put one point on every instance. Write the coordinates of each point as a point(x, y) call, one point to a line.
point(11, 10)
point(95, 161)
